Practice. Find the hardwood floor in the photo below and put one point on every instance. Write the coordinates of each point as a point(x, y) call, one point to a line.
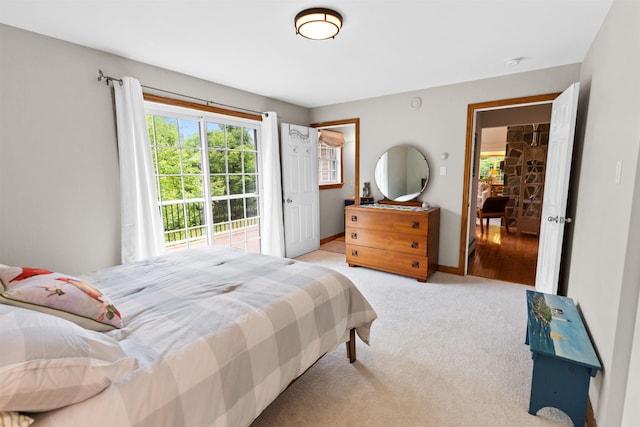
point(504, 256)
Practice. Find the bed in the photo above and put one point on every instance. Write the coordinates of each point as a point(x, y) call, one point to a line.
point(210, 336)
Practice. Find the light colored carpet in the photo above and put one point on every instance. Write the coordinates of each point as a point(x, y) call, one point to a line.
point(449, 352)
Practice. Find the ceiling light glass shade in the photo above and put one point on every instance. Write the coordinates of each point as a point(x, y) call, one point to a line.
point(318, 23)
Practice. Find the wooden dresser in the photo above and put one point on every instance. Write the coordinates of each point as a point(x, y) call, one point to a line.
point(395, 239)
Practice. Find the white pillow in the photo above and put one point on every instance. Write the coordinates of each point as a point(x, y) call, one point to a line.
point(47, 362)
point(14, 419)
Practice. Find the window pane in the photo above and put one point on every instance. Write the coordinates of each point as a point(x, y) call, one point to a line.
point(234, 137)
point(218, 186)
point(220, 211)
point(173, 219)
point(189, 133)
point(252, 207)
point(249, 162)
point(193, 187)
point(168, 160)
point(198, 234)
point(237, 209)
point(217, 161)
point(170, 188)
point(166, 131)
point(191, 161)
point(235, 184)
point(175, 238)
point(239, 234)
point(195, 214)
point(249, 139)
point(235, 161)
point(222, 239)
point(250, 185)
point(215, 135)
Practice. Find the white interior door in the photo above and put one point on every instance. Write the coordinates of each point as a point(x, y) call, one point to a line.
point(301, 208)
point(556, 188)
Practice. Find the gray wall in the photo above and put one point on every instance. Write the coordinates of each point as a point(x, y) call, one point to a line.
point(58, 156)
point(604, 272)
point(438, 126)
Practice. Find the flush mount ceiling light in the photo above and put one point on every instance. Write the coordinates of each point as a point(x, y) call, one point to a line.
point(318, 23)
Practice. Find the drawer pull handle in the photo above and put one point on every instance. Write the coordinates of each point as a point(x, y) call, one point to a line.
point(354, 252)
point(354, 236)
point(414, 245)
point(415, 224)
point(415, 264)
point(354, 218)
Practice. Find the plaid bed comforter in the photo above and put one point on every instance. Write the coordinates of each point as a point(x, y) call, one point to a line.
point(218, 335)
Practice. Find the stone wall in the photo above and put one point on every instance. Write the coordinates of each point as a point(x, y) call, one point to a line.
point(517, 138)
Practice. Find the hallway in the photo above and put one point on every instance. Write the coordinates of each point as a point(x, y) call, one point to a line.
point(504, 256)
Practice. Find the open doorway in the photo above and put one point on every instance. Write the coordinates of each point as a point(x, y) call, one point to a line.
point(507, 154)
point(334, 198)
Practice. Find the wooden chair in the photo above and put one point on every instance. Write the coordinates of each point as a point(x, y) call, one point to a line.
point(493, 207)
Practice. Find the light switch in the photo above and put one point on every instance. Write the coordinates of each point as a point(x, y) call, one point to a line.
point(443, 170)
point(618, 177)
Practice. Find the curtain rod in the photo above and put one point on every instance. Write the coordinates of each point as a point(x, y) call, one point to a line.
point(109, 79)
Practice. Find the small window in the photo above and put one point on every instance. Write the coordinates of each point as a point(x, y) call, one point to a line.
point(330, 143)
point(491, 169)
point(329, 165)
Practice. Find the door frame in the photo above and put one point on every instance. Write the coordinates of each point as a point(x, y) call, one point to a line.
point(472, 109)
point(356, 169)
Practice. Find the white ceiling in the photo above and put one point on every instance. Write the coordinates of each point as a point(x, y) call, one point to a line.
point(493, 139)
point(384, 47)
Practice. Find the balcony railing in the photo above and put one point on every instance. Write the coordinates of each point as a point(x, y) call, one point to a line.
point(184, 224)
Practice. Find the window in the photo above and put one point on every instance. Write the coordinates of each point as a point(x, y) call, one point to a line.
point(329, 164)
point(491, 169)
point(207, 177)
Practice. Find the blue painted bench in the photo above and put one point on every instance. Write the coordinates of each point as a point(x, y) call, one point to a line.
point(563, 356)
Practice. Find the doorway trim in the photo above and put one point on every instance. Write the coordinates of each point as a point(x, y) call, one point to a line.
point(471, 115)
point(356, 167)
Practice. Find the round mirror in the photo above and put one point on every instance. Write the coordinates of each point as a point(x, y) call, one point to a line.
point(402, 173)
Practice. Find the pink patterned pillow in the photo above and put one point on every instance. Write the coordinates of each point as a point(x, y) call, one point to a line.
point(60, 295)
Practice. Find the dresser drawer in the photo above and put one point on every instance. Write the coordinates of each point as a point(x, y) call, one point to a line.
point(400, 242)
point(388, 220)
point(393, 262)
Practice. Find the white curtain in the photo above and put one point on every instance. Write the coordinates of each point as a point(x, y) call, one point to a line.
point(142, 230)
point(272, 226)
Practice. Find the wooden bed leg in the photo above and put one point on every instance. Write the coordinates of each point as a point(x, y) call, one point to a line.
point(351, 346)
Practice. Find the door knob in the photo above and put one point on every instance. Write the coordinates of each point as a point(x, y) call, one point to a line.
point(552, 219)
point(289, 200)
